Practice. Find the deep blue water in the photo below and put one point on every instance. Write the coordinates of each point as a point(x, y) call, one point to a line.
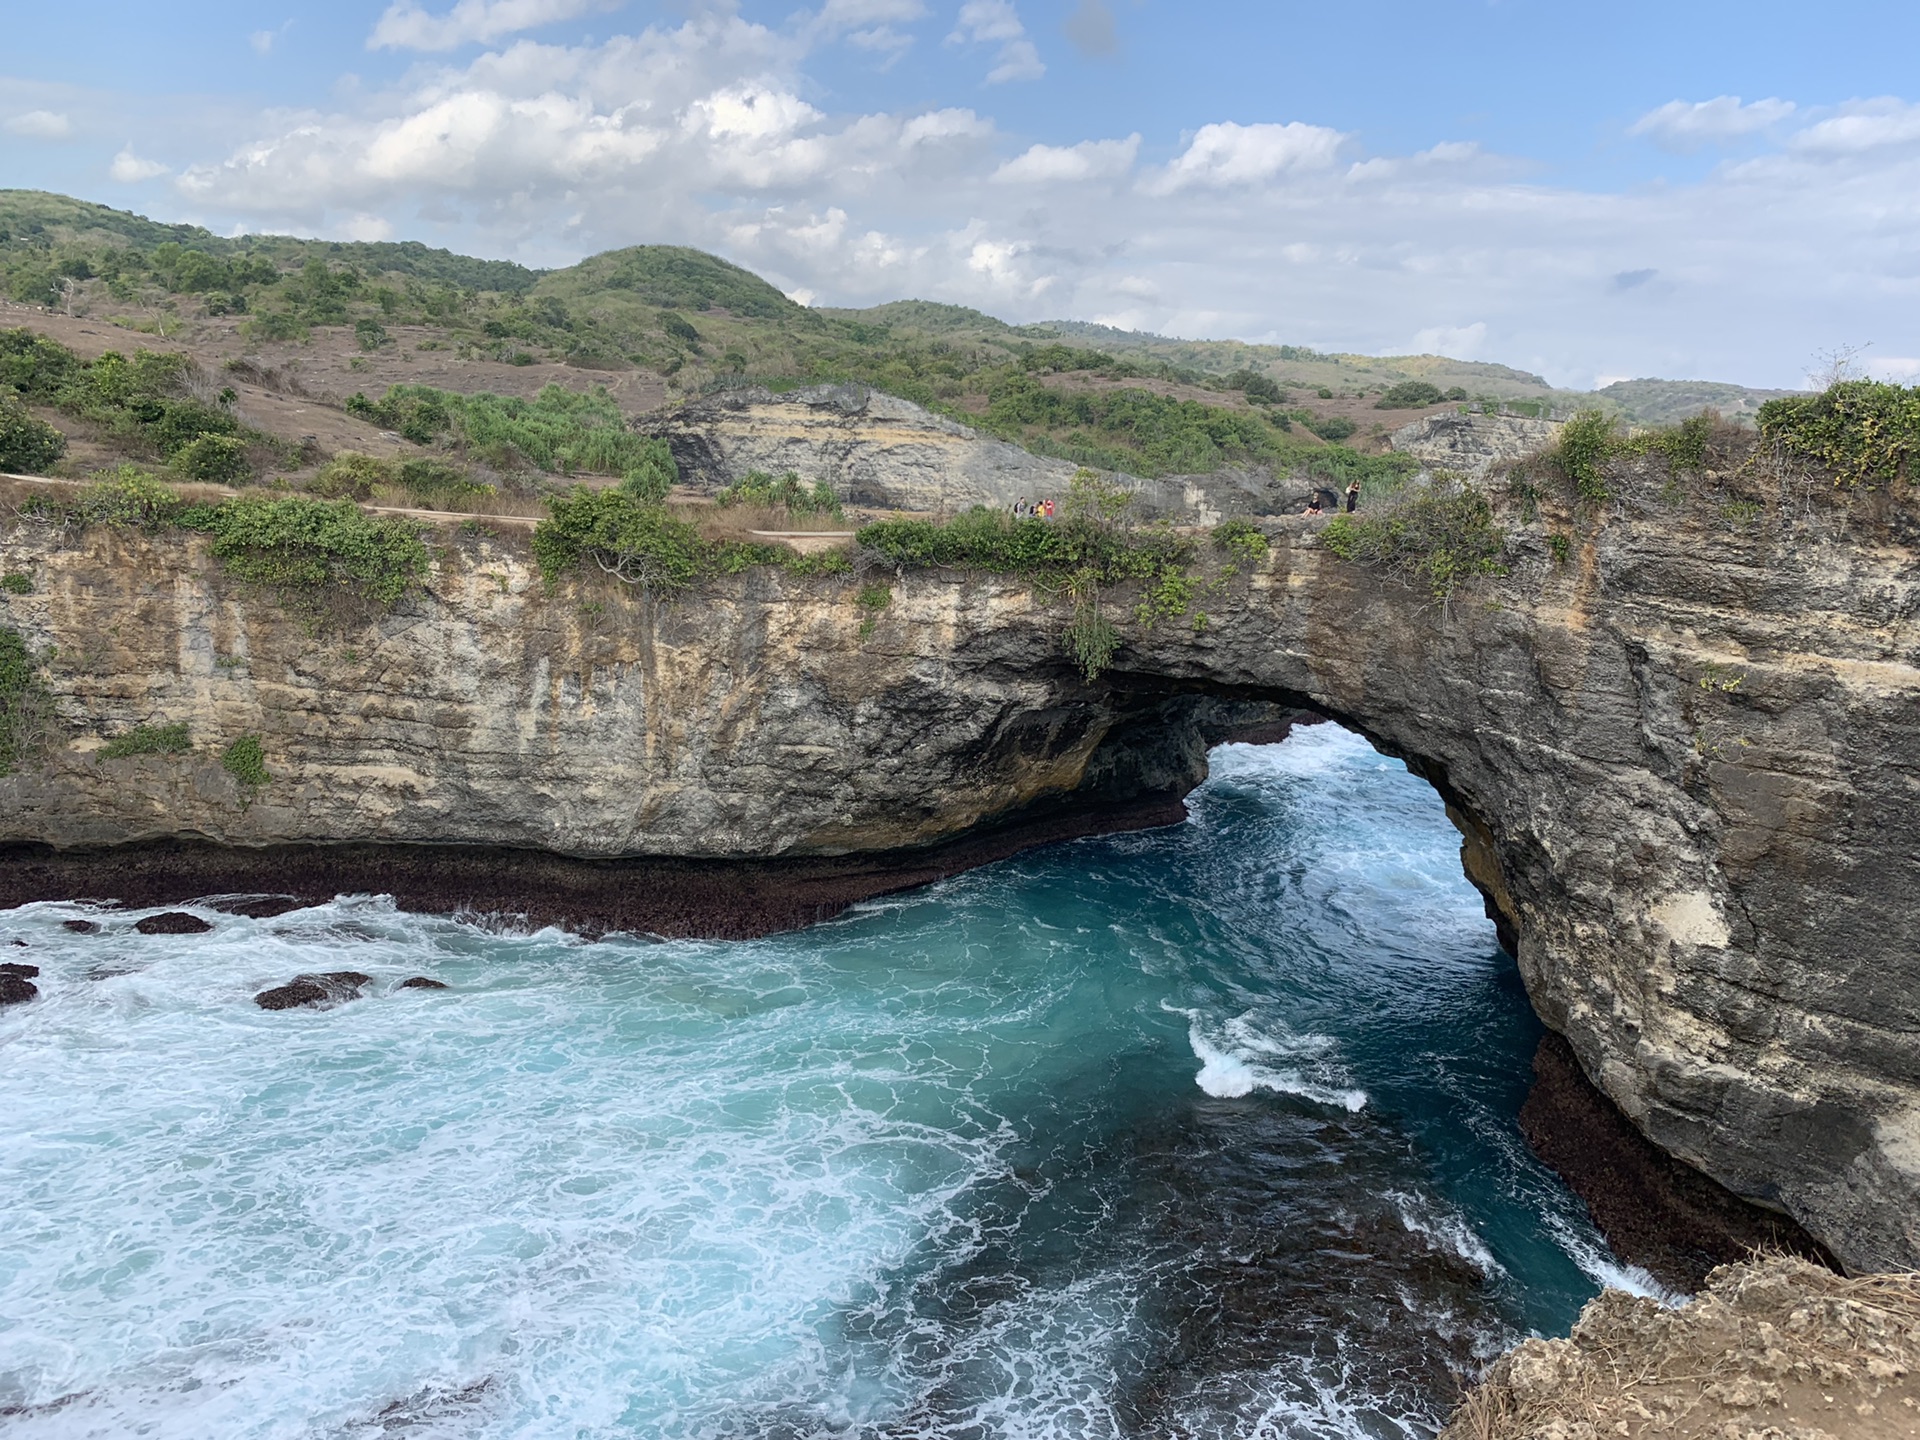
point(1204, 1131)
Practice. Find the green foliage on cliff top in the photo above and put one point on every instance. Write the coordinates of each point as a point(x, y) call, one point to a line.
point(26, 709)
point(1437, 536)
point(643, 544)
point(1862, 431)
point(303, 548)
point(1591, 439)
point(787, 492)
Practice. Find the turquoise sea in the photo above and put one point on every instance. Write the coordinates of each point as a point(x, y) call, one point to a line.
point(1205, 1131)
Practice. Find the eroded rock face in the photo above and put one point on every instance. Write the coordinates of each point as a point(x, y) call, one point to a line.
point(1470, 446)
point(878, 450)
point(1684, 760)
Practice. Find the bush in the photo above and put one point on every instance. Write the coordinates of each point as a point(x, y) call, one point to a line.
point(1255, 386)
point(149, 740)
point(246, 760)
point(1333, 428)
point(1438, 537)
point(1586, 443)
point(788, 492)
point(16, 582)
point(34, 367)
point(214, 460)
point(352, 476)
point(1862, 431)
point(1410, 395)
point(679, 327)
point(435, 483)
point(129, 499)
point(636, 542)
point(302, 547)
point(1242, 540)
point(652, 475)
point(369, 334)
point(27, 445)
point(559, 430)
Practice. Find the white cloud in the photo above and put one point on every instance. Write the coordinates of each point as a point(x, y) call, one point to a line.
point(128, 168)
point(711, 132)
point(1900, 369)
point(405, 26)
point(1863, 125)
point(1462, 342)
point(1061, 164)
point(1682, 126)
point(263, 41)
point(40, 125)
point(996, 22)
point(1228, 154)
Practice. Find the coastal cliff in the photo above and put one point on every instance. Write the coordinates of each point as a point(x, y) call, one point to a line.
point(1679, 738)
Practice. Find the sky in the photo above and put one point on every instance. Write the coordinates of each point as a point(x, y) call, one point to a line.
point(1687, 189)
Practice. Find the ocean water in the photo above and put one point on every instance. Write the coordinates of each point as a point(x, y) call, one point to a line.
point(1206, 1131)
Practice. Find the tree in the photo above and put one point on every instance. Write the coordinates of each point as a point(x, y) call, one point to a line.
point(27, 446)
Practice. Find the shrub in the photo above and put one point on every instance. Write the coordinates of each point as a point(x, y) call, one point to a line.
point(26, 710)
point(246, 760)
point(1242, 540)
point(27, 445)
point(788, 492)
point(369, 334)
point(636, 542)
point(436, 483)
point(652, 474)
point(275, 325)
point(1586, 443)
point(1255, 386)
point(679, 327)
point(352, 476)
point(149, 740)
point(558, 430)
point(214, 460)
point(1334, 428)
point(1863, 431)
point(1438, 537)
point(1409, 395)
point(16, 582)
point(128, 498)
point(1091, 639)
point(302, 547)
point(34, 367)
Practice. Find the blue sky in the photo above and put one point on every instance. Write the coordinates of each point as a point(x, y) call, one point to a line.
point(1706, 189)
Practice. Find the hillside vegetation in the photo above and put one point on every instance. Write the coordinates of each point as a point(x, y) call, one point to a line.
point(685, 322)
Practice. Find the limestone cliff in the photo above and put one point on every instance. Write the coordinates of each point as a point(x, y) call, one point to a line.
point(880, 451)
point(1686, 757)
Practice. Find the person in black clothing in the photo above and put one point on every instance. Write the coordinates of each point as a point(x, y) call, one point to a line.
point(1353, 496)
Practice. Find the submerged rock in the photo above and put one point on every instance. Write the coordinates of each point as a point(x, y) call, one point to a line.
point(421, 982)
point(24, 972)
point(80, 927)
point(257, 907)
point(172, 922)
point(329, 988)
point(17, 989)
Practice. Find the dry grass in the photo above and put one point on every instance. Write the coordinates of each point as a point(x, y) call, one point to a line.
point(739, 522)
point(1773, 1349)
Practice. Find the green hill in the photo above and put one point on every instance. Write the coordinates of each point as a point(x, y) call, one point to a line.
point(1119, 399)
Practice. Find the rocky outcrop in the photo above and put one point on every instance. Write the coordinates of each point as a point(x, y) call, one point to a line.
point(1772, 1349)
point(1470, 446)
point(882, 452)
point(1685, 761)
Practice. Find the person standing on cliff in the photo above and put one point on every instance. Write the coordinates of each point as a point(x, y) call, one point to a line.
point(1353, 496)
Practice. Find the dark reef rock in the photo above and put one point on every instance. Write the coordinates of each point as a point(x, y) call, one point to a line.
point(16, 990)
point(23, 972)
point(330, 988)
point(421, 982)
point(1666, 1217)
point(173, 922)
point(256, 907)
point(80, 927)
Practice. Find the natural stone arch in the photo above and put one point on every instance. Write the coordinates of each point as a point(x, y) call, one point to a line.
point(1685, 760)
